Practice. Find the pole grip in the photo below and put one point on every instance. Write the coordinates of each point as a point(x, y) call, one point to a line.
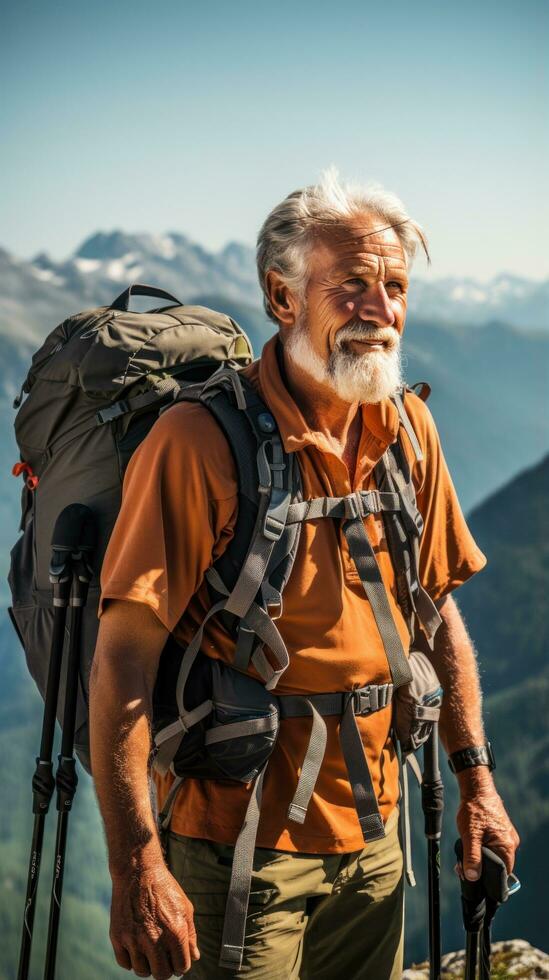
point(432, 788)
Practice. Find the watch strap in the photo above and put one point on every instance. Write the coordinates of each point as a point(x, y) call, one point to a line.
point(473, 755)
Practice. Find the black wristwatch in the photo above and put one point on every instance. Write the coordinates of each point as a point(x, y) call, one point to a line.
point(474, 755)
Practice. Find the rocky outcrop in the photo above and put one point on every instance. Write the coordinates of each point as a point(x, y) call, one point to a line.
point(510, 958)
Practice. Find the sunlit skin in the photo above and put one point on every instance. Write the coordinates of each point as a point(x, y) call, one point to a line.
point(355, 272)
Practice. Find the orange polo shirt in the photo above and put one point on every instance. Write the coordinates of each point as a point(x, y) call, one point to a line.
point(177, 515)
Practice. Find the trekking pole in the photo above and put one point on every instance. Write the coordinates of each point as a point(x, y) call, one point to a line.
point(432, 801)
point(81, 542)
point(43, 783)
point(480, 901)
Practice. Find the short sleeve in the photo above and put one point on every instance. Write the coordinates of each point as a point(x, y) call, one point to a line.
point(448, 553)
point(177, 514)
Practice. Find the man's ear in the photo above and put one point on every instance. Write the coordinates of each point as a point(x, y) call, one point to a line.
point(283, 303)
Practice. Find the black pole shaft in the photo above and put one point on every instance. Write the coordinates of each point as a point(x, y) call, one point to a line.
point(43, 783)
point(66, 781)
point(66, 777)
point(30, 899)
point(485, 951)
point(432, 803)
point(435, 951)
point(57, 889)
point(471, 954)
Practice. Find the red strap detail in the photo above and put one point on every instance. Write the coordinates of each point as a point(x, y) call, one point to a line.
point(31, 479)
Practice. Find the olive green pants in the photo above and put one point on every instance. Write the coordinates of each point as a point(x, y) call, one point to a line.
point(311, 916)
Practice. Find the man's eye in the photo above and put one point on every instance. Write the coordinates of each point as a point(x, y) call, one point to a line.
point(393, 284)
point(355, 282)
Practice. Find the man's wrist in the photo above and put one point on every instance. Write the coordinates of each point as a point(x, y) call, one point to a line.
point(133, 861)
point(474, 781)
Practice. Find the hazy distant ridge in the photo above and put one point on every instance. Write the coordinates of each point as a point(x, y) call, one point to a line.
point(106, 261)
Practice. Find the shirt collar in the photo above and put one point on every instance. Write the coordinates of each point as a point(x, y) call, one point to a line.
point(381, 420)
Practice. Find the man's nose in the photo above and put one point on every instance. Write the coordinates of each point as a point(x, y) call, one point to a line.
point(375, 305)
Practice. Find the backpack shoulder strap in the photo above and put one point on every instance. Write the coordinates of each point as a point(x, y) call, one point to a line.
point(404, 528)
point(250, 575)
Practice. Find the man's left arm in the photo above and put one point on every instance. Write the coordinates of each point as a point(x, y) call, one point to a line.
point(481, 817)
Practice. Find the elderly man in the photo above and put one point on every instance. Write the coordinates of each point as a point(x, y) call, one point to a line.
point(333, 263)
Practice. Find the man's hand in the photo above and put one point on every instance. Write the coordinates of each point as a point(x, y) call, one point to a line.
point(482, 819)
point(152, 927)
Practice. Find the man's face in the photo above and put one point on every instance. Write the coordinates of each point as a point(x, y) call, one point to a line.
point(348, 334)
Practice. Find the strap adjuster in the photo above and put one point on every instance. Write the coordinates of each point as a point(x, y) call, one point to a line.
point(352, 506)
point(111, 412)
point(272, 527)
point(362, 701)
point(372, 698)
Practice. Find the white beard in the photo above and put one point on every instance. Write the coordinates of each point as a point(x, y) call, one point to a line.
point(370, 377)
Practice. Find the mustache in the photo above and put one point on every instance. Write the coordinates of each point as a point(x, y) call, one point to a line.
point(359, 330)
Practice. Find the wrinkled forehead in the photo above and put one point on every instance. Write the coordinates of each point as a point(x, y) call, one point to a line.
point(355, 244)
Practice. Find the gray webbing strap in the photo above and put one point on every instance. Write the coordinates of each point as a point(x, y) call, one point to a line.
point(366, 565)
point(190, 655)
point(406, 835)
point(165, 815)
point(168, 739)
point(311, 764)
point(234, 925)
point(408, 760)
point(236, 729)
point(366, 700)
point(259, 623)
point(365, 502)
point(363, 701)
point(269, 527)
point(407, 426)
point(426, 611)
point(262, 624)
point(369, 817)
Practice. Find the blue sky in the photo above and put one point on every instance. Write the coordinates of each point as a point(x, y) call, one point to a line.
point(199, 117)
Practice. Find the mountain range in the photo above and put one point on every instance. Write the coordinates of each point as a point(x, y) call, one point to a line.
point(41, 290)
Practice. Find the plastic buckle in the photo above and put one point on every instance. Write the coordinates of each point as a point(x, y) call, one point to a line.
point(362, 701)
point(111, 412)
point(273, 528)
point(275, 518)
point(352, 506)
point(371, 502)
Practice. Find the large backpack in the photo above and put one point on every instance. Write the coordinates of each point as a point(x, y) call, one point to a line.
point(94, 390)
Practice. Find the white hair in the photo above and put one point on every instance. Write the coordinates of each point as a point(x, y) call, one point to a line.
point(286, 236)
point(369, 377)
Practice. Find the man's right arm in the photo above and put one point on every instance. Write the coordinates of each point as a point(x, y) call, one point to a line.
point(152, 929)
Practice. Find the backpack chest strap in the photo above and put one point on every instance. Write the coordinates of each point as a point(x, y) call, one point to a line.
point(358, 504)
